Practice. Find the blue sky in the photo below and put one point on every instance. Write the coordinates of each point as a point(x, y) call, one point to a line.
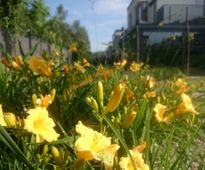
point(100, 17)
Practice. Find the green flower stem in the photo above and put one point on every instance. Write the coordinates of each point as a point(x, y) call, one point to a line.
point(120, 139)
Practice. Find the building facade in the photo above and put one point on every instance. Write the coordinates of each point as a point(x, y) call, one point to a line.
point(117, 39)
point(166, 11)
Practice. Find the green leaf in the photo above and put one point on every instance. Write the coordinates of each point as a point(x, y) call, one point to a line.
point(8, 141)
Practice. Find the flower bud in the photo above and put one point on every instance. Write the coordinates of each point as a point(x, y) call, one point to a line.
point(56, 154)
point(116, 98)
point(10, 119)
point(15, 65)
point(34, 99)
point(129, 119)
point(92, 103)
point(100, 93)
point(53, 94)
point(45, 149)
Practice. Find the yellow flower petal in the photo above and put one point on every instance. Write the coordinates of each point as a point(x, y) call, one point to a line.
point(38, 122)
point(40, 66)
point(160, 111)
point(185, 106)
point(135, 66)
point(93, 145)
point(126, 164)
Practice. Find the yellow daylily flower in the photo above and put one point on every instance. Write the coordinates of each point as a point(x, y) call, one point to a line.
point(86, 63)
point(116, 98)
point(126, 164)
point(40, 66)
point(181, 85)
point(160, 116)
point(135, 66)
point(121, 64)
point(79, 68)
point(150, 94)
point(94, 145)
point(185, 106)
point(160, 111)
point(151, 81)
point(103, 72)
point(39, 123)
point(44, 101)
point(73, 47)
point(17, 62)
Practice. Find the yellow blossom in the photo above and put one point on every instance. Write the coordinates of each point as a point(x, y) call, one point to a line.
point(150, 94)
point(17, 62)
point(73, 48)
point(103, 72)
point(116, 98)
point(79, 68)
point(135, 66)
point(94, 145)
point(151, 81)
point(86, 63)
point(181, 85)
point(160, 111)
point(160, 116)
point(126, 164)
point(44, 101)
point(39, 123)
point(185, 106)
point(40, 66)
point(141, 147)
point(121, 64)
point(2, 121)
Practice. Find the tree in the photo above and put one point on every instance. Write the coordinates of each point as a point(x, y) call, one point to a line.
point(12, 23)
point(59, 31)
point(80, 35)
point(38, 14)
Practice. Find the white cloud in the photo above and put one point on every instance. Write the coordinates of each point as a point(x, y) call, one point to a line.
point(111, 6)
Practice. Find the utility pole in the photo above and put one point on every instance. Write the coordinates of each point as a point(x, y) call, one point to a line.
point(188, 43)
point(188, 49)
point(138, 41)
point(204, 8)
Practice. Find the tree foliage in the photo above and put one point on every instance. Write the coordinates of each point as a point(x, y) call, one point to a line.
point(20, 17)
